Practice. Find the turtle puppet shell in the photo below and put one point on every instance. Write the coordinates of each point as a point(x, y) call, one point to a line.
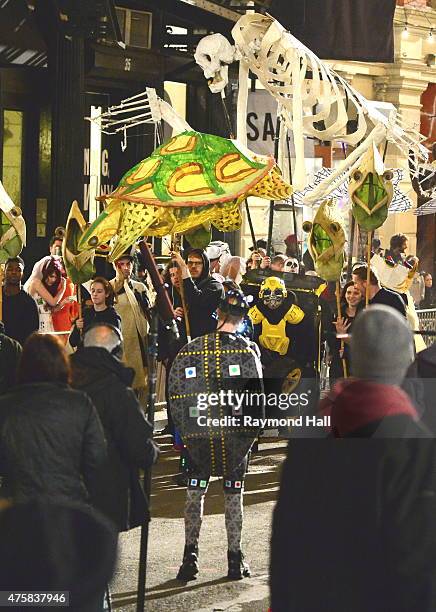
point(193, 169)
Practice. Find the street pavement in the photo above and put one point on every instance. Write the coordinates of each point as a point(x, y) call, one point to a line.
point(211, 591)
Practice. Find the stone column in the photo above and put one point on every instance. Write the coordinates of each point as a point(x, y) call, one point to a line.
point(66, 66)
point(403, 87)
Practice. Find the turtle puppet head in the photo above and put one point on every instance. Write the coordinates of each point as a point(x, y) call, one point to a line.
point(327, 241)
point(371, 190)
point(273, 292)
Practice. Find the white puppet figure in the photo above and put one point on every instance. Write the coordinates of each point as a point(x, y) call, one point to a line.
point(313, 99)
point(399, 277)
point(214, 53)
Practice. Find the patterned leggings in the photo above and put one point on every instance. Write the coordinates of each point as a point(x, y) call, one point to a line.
point(233, 515)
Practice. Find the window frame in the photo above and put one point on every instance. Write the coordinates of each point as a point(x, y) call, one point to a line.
point(3, 110)
point(128, 26)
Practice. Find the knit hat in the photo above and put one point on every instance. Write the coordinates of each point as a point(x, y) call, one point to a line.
point(381, 345)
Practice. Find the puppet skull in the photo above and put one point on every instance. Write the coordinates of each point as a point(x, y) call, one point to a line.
point(214, 53)
point(292, 265)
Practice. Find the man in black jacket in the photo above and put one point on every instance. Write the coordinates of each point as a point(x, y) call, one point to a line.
point(20, 314)
point(117, 490)
point(202, 292)
point(377, 293)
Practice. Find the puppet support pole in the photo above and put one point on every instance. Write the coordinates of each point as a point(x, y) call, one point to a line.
point(338, 307)
point(368, 271)
point(231, 135)
point(176, 247)
point(351, 247)
point(152, 368)
point(271, 204)
point(294, 214)
point(2, 274)
point(241, 112)
point(250, 224)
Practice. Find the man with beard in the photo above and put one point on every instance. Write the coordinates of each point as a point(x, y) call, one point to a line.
point(202, 292)
point(397, 248)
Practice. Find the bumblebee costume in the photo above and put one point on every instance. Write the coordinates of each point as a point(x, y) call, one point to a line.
point(284, 335)
point(273, 315)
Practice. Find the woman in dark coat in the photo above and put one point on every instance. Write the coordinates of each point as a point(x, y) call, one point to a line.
point(429, 296)
point(101, 311)
point(51, 439)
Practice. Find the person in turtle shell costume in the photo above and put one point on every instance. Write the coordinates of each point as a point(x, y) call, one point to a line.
point(221, 362)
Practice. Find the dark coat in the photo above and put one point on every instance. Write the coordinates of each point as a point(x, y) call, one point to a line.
point(336, 366)
point(354, 527)
point(429, 299)
point(117, 490)
point(390, 298)
point(92, 316)
point(420, 385)
point(51, 442)
point(202, 297)
point(10, 352)
point(168, 346)
point(20, 316)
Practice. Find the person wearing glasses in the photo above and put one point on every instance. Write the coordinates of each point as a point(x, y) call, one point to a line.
point(202, 291)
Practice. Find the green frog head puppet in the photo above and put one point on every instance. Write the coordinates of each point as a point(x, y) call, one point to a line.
point(371, 191)
point(326, 241)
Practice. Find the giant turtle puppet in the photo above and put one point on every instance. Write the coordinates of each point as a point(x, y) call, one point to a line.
point(186, 184)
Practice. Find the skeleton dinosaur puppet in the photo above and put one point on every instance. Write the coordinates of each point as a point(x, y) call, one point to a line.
point(301, 82)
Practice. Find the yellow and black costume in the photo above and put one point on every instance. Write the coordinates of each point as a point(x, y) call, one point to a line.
point(277, 320)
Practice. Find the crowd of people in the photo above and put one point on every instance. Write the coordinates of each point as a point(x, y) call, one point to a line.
point(74, 382)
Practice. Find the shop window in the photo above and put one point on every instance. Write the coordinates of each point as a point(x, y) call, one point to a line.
point(12, 154)
point(135, 27)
